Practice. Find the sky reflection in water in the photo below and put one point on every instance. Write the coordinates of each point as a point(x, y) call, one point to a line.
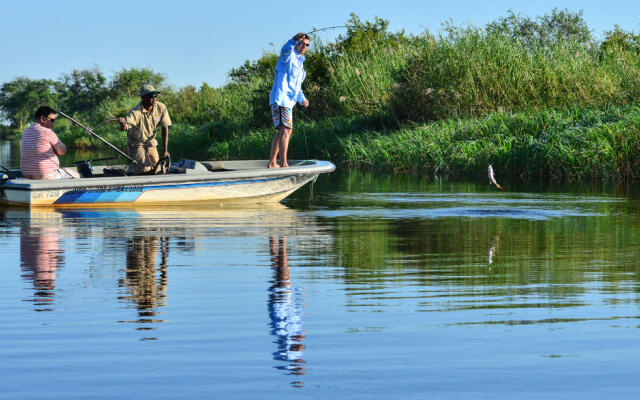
point(410, 290)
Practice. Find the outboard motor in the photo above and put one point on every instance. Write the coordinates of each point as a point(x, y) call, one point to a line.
point(6, 174)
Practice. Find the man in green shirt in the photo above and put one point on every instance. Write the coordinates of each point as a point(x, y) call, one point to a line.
point(141, 123)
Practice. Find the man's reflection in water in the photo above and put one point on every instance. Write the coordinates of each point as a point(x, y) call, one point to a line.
point(144, 288)
point(40, 257)
point(286, 308)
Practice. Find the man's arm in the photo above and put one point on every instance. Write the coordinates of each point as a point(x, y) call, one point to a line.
point(129, 121)
point(165, 141)
point(287, 49)
point(59, 148)
point(302, 100)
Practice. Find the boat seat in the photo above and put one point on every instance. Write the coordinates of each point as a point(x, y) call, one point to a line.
point(190, 166)
point(114, 172)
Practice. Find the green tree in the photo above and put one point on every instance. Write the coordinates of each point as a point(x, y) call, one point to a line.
point(82, 90)
point(543, 30)
point(127, 82)
point(20, 98)
point(620, 39)
point(362, 36)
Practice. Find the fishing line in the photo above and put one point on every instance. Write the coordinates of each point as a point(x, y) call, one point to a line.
point(104, 122)
point(304, 132)
point(59, 166)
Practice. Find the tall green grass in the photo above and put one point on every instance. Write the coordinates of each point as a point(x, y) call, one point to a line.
point(574, 144)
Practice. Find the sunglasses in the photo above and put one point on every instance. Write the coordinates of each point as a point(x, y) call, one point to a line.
point(304, 44)
point(52, 120)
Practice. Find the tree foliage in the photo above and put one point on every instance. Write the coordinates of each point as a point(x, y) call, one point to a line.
point(127, 82)
point(621, 40)
point(384, 78)
point(20, 98)
point(560, 25)
point(82, 90)
point(362, 36)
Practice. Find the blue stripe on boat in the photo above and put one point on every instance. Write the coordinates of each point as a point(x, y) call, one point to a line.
point(90, 196)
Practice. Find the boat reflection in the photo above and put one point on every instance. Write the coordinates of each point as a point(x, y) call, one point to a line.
point(286, 308)
point(41, 256)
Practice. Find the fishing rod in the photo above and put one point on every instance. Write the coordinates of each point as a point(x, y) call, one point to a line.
point(92, 133)
point(326, 29)
point(111, 120)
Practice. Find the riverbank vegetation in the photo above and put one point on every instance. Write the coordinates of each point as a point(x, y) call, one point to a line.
point(536, 97)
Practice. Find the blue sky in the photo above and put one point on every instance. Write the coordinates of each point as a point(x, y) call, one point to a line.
point(192, 42)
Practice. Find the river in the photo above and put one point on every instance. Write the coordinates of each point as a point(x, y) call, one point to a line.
point(361, 286)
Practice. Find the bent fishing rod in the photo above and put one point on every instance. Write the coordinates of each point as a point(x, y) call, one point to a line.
point(92, 133)
point(326, 29)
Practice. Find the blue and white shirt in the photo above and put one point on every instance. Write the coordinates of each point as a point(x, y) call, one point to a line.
point(290, 73)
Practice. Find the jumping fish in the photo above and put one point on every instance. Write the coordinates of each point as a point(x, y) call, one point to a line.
point(492, 178)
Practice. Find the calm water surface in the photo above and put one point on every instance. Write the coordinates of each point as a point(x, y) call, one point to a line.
point(362, 286)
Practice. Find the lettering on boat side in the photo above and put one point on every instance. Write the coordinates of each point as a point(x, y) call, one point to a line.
point(105, 189)
point(44, 195)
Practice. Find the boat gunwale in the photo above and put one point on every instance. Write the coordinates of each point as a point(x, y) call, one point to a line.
point(317, 167)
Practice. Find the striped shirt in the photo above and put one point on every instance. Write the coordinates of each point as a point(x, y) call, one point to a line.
point(37, 158)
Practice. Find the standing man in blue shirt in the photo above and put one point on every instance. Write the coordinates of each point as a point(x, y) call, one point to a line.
point(285, 93)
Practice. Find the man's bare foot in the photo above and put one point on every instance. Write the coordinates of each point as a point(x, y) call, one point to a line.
point(285, 164)
point(273, 165)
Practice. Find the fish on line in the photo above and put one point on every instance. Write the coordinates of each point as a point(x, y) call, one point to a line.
point(492, 178)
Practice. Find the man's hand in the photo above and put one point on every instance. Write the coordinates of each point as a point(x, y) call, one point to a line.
point(166, 154)
point(305, 103)
point(298, 37)
point(123, 124)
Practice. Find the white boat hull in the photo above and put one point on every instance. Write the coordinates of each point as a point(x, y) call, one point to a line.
point(234, 182)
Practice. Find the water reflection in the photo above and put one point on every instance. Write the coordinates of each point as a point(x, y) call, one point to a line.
point(491, 293)
point(286, 308)
point(41, 256)
point(493, 246)
point(145, 283)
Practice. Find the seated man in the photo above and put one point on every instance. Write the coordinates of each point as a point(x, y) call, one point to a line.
point(141, 123)
point(40, 148)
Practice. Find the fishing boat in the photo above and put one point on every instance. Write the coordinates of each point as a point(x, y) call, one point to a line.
point(186, 182)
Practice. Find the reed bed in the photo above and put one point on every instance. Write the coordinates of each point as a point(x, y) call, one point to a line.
point(573, 144)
